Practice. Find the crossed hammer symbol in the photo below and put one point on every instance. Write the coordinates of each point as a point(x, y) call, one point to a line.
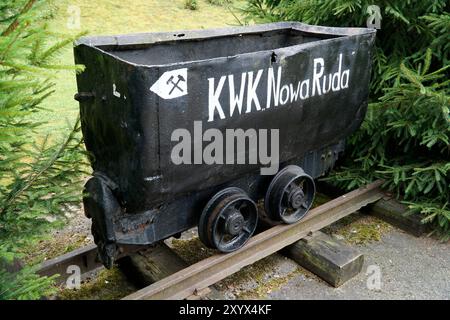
point(175, 84)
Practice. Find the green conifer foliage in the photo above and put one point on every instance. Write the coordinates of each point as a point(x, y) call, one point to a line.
point(405, 138)
point(39, 174)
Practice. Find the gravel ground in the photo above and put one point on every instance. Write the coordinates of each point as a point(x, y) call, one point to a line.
point(75, 234)
point(410, 268)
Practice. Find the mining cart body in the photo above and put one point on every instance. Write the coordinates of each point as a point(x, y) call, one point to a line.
point(308, 82)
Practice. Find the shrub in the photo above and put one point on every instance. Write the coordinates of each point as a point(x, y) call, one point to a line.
point(405, 138)
point(39, 174)
point(191, 4)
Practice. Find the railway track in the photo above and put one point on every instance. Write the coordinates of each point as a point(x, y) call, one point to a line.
point(199, 276)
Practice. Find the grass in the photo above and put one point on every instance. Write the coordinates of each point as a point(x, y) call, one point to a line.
point(105, 17)
point(108, 285)
point(357, 228)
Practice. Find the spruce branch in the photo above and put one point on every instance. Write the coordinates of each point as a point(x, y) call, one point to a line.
point(15, 23)
point(33, 176)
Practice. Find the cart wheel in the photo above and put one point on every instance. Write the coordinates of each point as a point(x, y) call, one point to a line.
point(290, 195)
point(228, 220)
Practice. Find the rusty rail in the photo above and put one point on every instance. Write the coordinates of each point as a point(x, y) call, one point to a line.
point(85, 258)
point(183, 283)
point(200, 275)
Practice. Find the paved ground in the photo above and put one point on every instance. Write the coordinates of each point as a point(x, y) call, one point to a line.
point(410, 267)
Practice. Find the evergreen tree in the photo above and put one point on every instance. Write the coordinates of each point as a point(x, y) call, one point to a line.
point(405, 138)
point(39, 175)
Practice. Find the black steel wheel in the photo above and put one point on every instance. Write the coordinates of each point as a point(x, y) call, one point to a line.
point(228, 220)
point(290, 195)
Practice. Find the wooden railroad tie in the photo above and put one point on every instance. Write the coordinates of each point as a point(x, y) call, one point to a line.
point(387, 209)
point(394, 212)
point(327, 257)
point(156, 263)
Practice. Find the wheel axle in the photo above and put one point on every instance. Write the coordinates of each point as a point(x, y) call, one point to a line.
point(228, 220)
point(290, 195)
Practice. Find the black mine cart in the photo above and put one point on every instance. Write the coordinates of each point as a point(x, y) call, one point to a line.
point(176, 125)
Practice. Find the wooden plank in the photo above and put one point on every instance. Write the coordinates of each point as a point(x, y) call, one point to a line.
point(393, 212)
point(152, 264)
point(387, 209)
point(213, 269)
point(156, 263)
point(331, 259)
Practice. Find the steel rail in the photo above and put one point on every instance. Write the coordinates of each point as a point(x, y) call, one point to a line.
point(85, 258)
point(200, 275)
